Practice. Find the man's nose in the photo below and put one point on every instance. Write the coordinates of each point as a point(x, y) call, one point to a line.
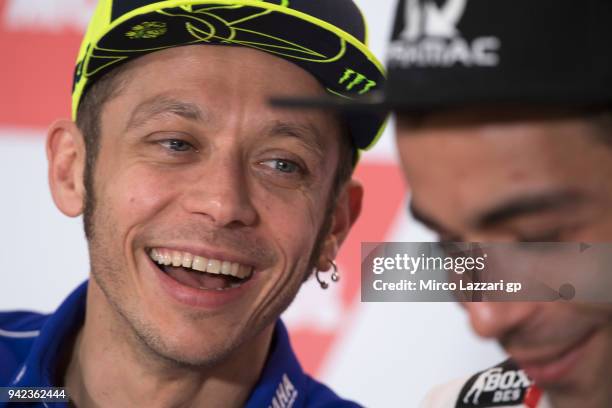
point(221, 193)
point(497, 319)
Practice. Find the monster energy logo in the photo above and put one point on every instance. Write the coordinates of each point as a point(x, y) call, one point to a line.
point(355, 79)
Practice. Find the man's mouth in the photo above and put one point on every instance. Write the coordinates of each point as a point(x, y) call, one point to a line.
point(199, 272)
point(554, 368)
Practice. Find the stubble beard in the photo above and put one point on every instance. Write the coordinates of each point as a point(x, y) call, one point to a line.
point(146, 339)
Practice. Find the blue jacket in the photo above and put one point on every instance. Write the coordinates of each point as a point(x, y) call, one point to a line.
point(30, 345)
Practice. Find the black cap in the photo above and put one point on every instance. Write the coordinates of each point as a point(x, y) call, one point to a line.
point(458, 53)
point(326, 38)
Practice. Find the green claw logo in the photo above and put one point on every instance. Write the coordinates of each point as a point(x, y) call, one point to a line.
point(147, 29)
point(357, 79)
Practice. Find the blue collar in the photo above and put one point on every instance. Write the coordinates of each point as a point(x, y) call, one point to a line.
point(282, 382)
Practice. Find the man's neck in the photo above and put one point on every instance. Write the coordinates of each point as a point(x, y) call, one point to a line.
point(108, 368)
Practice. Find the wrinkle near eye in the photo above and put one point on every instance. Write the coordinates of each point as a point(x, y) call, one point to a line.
point(158, 106)
point(310, 208)
point(308, 135)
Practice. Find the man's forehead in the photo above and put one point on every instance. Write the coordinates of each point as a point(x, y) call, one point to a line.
point(526, 150)
point(211, 97)
point(280, 123)
point(223, 72)
point(164, 104)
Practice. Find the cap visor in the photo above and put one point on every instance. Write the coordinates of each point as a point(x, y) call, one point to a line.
point(372, 103)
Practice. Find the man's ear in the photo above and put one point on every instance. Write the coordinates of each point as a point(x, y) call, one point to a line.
point(345, 213)
point(66, 157)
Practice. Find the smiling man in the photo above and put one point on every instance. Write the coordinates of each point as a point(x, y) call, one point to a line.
point(516, 148)
point(204, 208)
point(504, 123)
point(531, 178)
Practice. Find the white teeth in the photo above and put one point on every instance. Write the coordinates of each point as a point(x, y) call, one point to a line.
point(199, 263)
point(177, 258)
point(226, 268)
point(187, 260)
point(214, 266)
point(244, 271)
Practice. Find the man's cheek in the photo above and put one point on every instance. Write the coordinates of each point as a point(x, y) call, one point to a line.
point(303, 244)
point(137, 195)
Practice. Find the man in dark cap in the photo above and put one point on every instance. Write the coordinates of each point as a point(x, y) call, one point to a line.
point(204, 208)
point(504, 124)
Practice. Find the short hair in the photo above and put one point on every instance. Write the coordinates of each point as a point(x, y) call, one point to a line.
point(600, 116)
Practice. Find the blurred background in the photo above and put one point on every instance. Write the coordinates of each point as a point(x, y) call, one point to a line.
point(380, 354)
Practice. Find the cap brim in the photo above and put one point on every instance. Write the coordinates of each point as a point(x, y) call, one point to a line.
point(359, 112)
point(375, 102)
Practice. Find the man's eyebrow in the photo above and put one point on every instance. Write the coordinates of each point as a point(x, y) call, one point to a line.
point(160, 105)
point(423, 218)
point(527, 205)
point(307, 133)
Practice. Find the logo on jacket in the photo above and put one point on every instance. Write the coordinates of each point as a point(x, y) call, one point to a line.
point(430, 38)
point(498, 386)
point(285, 395)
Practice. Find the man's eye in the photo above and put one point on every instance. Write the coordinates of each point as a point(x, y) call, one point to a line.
point(284, 166)
point(444, 238)
point(176, 145)
point(550, 236)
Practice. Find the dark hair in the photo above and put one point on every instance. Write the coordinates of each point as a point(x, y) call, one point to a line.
point(602, 121)
point(599, 116)
point(109, 85)
point(89, 112)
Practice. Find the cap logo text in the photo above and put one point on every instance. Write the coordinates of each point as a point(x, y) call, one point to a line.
point(430, 20)
point(430, 38)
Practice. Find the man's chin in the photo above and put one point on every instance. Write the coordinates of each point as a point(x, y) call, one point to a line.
point(194, 360)
point(184, 351)
point(574, 369)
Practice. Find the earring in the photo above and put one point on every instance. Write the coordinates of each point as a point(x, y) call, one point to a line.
point(335, 277)
point(322, 283)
